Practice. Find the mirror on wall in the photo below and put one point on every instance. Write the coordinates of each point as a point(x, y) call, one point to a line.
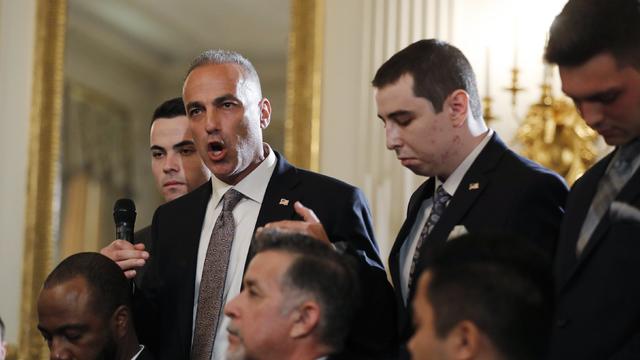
point(122, 59)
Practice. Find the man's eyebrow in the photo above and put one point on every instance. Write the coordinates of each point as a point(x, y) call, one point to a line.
point(183, 143)
point(251, 283)
point(596, 95)
point(157, 147)
point(63, 328)
point(192, 104)
point(226, 97)
point(399, 113)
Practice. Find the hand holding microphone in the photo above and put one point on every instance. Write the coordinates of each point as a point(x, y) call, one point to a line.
point(127, 255)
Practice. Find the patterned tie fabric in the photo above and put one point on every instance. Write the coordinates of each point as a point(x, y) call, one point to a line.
point(214, 275)
point(440, 200)
point(613, 180)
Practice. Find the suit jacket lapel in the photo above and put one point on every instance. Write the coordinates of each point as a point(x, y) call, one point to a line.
point(628, 193)
point(280, 188)
point(197, 210)
point(473, 183)
point(566, 257)
point(283, 181)
point(186, 254)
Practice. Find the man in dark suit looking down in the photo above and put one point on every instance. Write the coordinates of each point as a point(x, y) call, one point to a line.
point(596, 44)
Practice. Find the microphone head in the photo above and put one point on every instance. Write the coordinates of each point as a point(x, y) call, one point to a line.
point(124, 211)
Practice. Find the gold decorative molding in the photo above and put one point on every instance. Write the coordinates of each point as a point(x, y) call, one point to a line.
point(304, 83)
point(554, 135)
point(44, 134)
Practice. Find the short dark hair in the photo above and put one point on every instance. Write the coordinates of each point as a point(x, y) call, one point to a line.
point(1, 331)
point(220, 57)
point(437, 68)
point(586, 28)
point(107, 284)
point(322, 273)
point(502, 285)
point(169, 109)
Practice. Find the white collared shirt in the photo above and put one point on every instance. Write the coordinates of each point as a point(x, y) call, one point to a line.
point(408, 248)
point(245, 214)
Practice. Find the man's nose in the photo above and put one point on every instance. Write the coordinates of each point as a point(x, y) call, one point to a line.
point(172, 162)
point(58, 350)
point(393, 137)
point(591, 112)
point(212, 122)
point(231, 309)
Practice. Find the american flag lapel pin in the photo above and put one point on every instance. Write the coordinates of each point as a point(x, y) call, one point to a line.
point(474, 186)
point(284, 202)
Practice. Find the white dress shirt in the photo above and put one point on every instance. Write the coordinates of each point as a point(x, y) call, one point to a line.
point(408, 248)
point(245, 214)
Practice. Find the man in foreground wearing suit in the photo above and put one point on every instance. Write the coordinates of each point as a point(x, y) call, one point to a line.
point(428, 100)
point(201, 241)
point(84, 311)
point(596, 44)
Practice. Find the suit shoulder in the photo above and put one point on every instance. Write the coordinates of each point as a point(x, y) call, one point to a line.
point(325, 182)
point(143, 234)
point(187, 201)
point(530, 171)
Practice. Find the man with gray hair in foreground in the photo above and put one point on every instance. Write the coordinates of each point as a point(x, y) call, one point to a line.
point(297, 302)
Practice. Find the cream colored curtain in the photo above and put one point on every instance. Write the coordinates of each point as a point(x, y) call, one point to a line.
point(96, 168)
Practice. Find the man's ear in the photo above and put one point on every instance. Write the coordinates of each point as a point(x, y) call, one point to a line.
point(265, 113)
point(120, 321)
point(463, 341)
point(305, 319)
point(457, 107)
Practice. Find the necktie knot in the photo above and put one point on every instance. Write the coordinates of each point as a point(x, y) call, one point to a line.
point(440, 199)
point(230, 199)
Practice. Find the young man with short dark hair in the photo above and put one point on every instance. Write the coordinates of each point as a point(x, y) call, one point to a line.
point(596, 45)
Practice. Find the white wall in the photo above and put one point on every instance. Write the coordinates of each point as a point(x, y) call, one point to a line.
point(17, 38)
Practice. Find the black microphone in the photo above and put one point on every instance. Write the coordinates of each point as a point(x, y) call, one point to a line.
point(124, 215)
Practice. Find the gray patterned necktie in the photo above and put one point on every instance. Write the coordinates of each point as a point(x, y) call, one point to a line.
point(214, 273)
point(440, 200)
point(610, 185)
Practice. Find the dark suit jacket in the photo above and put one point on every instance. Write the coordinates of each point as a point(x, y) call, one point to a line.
point(165, 303)
point(598, 294)
point(501, 192)
point(142, 236)
point(145, 355)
